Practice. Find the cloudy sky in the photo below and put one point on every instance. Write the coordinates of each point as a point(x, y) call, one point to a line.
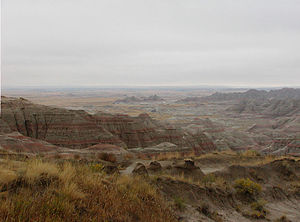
point(157, 42)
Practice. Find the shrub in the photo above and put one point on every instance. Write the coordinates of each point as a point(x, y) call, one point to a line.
point(216, 217)
point(256, 215)
point(128, 156)
point(179, 203)
point(251, 153)
point(259, 206)
point(208, 179)
point(247, 187)
point(283, 219)
point(76, 156)
point(57, 156)
point(205, 209)
point(107, 157)
point(98, 167)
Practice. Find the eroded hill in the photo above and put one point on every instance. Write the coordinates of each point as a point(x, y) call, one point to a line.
point(78, 129)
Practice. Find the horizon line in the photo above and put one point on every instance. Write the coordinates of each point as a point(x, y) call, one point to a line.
point(147, 86)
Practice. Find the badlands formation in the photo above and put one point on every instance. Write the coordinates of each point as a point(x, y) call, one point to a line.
point(222, 156)
point(76, 129)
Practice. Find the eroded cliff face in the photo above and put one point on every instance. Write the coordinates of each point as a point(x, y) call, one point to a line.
point(4, 127)
point(61, 127)
point(139, 131)
point(78, 129)
point(143, 131)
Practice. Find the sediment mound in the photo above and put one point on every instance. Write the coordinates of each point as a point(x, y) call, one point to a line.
point(106, 148)
point(16, 142)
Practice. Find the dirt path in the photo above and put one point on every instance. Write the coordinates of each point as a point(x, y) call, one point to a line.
point(207, 170)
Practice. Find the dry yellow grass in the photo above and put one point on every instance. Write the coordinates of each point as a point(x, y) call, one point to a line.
point(37, 167)
point(67, 173)
point(46, 191)
point(264, 160)
point(217, 154)
point(247, 158)
point(72, 191)
point(173, 155)
point(7, 175)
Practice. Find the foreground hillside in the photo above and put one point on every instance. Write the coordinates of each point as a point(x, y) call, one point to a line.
point(214, 187)
point(44, 191)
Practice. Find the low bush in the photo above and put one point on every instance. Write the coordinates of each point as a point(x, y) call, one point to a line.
point(247, 187)
point(208, 179)
point(179, 203)
point(258, 209)
point(97, 168)
point(251, 153)
point(205, 209)
point(110, 157)
point(283, 219)
point(259, 206)
point(76, 156)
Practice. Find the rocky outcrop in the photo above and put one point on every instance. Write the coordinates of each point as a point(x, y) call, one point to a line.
point(252, 94)
point(188, 164)
point(279, 94)
point(110, 169)
point(140, 170)
point(61, 127)
point(273, 107)
point(134, 99)
point(187, 168)
point(284, 146)
point(154, 166)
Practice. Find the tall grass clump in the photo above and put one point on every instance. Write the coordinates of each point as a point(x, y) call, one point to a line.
point(48, 191)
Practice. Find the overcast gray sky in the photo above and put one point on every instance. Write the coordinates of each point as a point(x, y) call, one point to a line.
point(157, 42)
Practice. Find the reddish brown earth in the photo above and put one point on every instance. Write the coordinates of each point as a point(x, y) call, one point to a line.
point(143, 131)
point(61, 127)
point(107, 148)
point(78, 129)
point(16, 142)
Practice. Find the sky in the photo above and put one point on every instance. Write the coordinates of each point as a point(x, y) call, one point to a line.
point(145, 43)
